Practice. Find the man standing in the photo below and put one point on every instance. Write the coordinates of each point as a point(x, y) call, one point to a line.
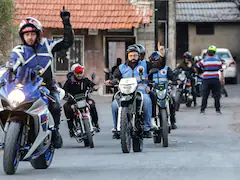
point(211, 65)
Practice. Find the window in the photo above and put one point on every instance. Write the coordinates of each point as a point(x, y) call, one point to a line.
point(204, 29)
point(221, 55)
point(63, 60)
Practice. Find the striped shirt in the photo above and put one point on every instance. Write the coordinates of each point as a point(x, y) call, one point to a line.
point(211, 66)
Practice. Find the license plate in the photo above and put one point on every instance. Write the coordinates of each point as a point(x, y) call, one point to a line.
point(81, 104)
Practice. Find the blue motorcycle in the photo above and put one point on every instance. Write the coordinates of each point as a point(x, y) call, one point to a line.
point(26, 120)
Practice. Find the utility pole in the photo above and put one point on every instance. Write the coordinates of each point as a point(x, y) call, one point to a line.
point(171, 59)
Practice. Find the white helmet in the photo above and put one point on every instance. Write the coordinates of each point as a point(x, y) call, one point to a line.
point(197, 58)
point(74, 66)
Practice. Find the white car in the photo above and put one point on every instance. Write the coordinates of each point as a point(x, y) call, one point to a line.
point(230, 67)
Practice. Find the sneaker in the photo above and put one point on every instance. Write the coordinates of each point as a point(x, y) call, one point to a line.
point(116, 135)
point(97, 128)
point(57, 140)
point(113, 130)
point(153, 124)
point(173, 126)
point(147, 134)
point(71, 133)
point(218, 112)
point(202, 112)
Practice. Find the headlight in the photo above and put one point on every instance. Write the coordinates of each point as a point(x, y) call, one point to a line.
point(127, 88)
point(224, 66)
point(161, 94)
point(182, 77)
point(16, 97)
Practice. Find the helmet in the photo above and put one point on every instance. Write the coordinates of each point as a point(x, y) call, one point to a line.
point(187, 55)
point(212, 48)
point(155, 56)
point(133, 48)
point(74, 66)
point(197, 58)
point(77, 68)
point(142, 51)
point(30, 24)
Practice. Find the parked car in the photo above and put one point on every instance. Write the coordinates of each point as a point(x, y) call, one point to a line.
point(230, 69)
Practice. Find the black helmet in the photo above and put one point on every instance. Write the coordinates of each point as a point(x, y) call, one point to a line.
point(155, 56)
point(187, 55)
point(142, 51)
point(133, 48)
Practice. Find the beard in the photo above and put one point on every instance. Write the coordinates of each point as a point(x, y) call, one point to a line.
point(133, 63)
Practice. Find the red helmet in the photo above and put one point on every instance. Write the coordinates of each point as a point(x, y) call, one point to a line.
point(30, 24)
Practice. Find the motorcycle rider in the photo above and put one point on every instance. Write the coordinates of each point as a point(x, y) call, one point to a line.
point(131, 69)
point(165, 73)
point(188, 66)
point(77, 83)
point(35, 51)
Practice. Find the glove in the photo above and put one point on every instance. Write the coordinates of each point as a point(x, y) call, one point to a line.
point(65, 15)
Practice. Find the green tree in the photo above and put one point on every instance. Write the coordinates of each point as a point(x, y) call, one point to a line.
point(6, 27)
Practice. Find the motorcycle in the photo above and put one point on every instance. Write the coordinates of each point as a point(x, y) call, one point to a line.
point(198, 85)
point(184, 90)
point(163, 91)
point(130, 123)
point(27, 122)
point(82, 122)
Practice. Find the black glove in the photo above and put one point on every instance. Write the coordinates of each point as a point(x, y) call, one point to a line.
point(65, 15)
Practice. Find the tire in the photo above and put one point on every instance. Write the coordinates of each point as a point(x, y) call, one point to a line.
point(11, 155)
point(157, 137)
point(165, 128)
point(125, 133)
point(89, 140)
point(234, 80)
point(137, 144)
point(177, 100)
point(45, 160)
point(189, 104)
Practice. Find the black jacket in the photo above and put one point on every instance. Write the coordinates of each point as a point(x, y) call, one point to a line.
point(74, 86)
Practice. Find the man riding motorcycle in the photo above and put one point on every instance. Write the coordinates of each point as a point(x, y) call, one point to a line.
point(159, 62)
point(77, 83)
point(35, 51)
point(188, 66)
point(131, 69)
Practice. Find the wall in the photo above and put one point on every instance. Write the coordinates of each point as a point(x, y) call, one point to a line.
point(225, 36)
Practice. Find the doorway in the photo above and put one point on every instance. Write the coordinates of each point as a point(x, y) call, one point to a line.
point(116, 48)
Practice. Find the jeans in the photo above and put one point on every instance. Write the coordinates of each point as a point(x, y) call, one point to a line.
point(147, 112)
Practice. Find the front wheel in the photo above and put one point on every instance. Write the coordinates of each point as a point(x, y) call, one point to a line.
point(164, 125)
point(11, 155)
point(45, 160)
point(125, 133)
point(89, 138)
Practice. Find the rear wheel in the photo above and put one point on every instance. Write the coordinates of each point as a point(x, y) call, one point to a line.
point(137, 144)
point(45, 160)
point(11, 155)
point(177, 100)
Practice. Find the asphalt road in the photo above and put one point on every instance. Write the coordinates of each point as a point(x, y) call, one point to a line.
point(202, 148)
